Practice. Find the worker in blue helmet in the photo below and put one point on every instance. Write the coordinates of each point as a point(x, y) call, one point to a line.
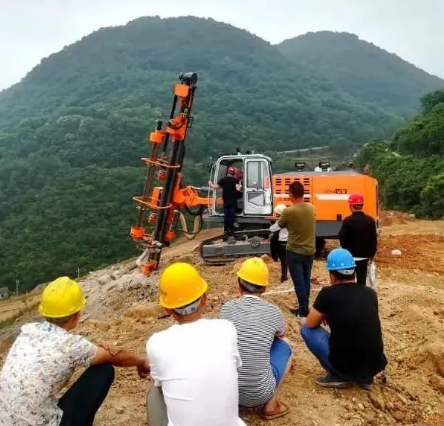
point(353, 351)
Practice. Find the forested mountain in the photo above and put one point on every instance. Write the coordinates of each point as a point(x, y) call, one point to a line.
point(410, 167)
point(364, 70)
point(73, 130)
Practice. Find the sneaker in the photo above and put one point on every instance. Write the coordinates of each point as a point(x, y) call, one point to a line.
point(298, 313)
point(367, 385)
point(331, 381)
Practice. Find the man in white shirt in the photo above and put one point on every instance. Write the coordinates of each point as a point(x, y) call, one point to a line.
point(281, 246)
point(44, 357)
point(194, 362)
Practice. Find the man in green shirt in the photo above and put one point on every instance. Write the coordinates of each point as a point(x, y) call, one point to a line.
point(299, 219)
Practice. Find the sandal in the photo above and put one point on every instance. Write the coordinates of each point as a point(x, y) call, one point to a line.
point(280, 411)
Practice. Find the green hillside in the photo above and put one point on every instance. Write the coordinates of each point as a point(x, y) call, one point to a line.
point(73, 131)
point(410, 167)
point(362, 69)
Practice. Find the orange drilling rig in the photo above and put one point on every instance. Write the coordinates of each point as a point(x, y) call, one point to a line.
point(162, 206)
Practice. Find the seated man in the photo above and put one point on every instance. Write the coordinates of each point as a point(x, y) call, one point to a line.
point(43, 358)
point(353, 352)
point(266, 357)
point(194, 362)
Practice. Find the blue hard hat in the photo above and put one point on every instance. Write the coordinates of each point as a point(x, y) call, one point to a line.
point(340, 259)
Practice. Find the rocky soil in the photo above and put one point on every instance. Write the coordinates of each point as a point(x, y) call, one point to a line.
point(122, 308)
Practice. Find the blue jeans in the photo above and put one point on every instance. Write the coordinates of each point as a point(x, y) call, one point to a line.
point(300, 266)
point(280, 353)
point(316, 340)
point(229, 214)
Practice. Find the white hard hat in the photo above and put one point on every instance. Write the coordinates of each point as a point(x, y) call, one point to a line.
point(280, 208)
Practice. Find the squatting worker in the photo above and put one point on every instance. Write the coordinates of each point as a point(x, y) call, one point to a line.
point(43, 358)
point(266, 356)
point(230, 193)
point(353, 351)
point(359, 236)
point(299, 219)
point(194, 362)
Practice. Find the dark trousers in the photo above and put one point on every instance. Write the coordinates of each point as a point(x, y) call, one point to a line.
point(229, 214)
point(300, 270)
point(82, 400)
point(361, 271)
point(282, 253)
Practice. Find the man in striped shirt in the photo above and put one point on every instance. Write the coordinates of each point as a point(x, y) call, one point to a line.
point(266, 357)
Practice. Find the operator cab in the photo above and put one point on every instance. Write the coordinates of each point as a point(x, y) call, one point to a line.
point(254, 174)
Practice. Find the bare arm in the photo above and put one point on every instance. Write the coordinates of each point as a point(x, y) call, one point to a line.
point(123, 358)
point(314, 319)
point(213, 185)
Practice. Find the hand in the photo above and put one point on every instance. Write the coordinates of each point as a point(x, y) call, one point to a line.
point(143, 369)
point(112, 348)
point(210, 183)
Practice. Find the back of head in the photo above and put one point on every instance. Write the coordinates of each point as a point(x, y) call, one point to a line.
point(231, 171)
point(253, 275)
point(341, 264)
point(61, 299)
point(280, 208)
point(181, 288)
point(296, 189)
point(356, 201)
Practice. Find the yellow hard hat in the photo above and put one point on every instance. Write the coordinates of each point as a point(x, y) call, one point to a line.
point(280, 208)
point(61, 298)
point(254, 271)
point(180, 284)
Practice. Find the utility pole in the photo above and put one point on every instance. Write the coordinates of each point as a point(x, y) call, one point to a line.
point(78, 272)
point(17, 282)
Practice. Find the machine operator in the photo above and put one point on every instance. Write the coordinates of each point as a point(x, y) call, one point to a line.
point(230, 193)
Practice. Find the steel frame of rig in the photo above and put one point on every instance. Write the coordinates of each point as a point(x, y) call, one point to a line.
point(165, 201)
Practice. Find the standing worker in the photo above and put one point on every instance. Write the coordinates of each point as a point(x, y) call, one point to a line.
point(359, 236)
point(230, 194)
point(281, 243)
point(44, 357)
point(194, 362)
point(299, 219)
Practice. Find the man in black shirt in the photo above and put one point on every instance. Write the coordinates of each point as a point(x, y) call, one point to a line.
point(230, 193)
point(353, 352)
point(358, 235)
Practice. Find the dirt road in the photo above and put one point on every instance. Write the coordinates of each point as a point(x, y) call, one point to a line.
point(122, 307)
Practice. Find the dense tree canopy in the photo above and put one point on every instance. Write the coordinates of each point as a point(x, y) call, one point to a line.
point(364, 70)
point(73, 131)
point(410, 168)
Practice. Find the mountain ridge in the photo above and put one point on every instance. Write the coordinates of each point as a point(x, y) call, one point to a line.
point(349, 61)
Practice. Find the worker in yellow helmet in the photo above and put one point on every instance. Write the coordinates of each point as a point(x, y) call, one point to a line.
point(194, 362)
point(44, 357)
point(266, 356)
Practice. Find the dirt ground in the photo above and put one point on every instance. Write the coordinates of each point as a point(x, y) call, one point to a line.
point(122, 308)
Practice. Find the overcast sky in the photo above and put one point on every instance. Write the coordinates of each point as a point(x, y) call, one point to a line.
point(33, 29)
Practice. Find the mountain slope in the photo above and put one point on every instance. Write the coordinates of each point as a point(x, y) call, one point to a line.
point(410, 167)
point(104, 92)
point(362, 69)
point(73, 131)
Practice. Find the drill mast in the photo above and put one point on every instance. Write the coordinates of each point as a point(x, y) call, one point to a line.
point(158, 204)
